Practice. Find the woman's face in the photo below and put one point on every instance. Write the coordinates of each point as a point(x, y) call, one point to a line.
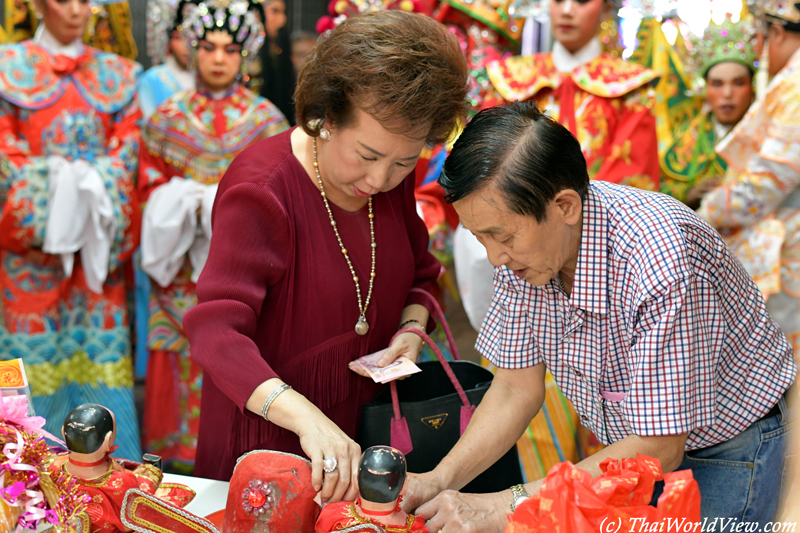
point(364, 159)
point(276, 18)
point(729, 91)
point(218, 60)
point(65, 19)
point(576, 22)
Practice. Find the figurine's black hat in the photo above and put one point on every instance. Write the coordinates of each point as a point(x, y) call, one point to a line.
point(381, 474)
point(86, 427)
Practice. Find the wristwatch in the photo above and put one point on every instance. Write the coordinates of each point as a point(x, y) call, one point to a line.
point(519, 495)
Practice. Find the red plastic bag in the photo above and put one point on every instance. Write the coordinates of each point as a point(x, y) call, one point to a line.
point(618, 500)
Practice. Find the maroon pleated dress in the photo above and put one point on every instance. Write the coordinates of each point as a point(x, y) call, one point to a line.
point(276, 299)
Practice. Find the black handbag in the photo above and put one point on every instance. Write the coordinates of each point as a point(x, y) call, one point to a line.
point(425, 414)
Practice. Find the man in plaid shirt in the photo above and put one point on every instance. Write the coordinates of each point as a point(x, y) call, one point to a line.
point(648, 323)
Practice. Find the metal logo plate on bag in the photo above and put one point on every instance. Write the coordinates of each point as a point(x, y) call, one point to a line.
point(435, 421)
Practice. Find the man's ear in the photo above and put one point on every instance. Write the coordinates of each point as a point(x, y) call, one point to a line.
point(777, 34)
point(569, 206)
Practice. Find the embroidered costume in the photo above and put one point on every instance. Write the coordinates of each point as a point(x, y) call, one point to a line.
point(161, 82)
point(69, 144)
point(674, 105)
point(108, 490)
point(604, 101)
point(691, 157)
point(187, 146)
point(158, 83)
point(757, 209)
point(340, 515)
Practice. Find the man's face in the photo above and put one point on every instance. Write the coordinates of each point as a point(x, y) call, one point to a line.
point(576, 22)
point(534, 251)
point(729, 91)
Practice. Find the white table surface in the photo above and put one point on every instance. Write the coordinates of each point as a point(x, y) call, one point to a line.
point(211, 494)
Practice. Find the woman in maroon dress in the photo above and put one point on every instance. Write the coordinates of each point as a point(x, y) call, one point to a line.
point(316, 245)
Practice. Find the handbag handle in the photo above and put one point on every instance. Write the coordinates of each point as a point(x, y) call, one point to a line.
point(439, 315)
point(442, 360)
point(400, 437)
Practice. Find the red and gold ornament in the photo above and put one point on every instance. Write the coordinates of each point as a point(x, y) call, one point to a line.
point(257, 498)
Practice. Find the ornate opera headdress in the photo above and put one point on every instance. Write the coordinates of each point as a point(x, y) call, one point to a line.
point(787, 12)
point(729, 41)
point(241, 19)
point(161, 15)
point(339, 10)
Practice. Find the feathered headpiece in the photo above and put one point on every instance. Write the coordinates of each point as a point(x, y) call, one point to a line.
point(160, 25)
point(724, 42)
point(241, 19)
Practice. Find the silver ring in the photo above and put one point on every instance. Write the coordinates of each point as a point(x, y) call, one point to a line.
point(329, 464)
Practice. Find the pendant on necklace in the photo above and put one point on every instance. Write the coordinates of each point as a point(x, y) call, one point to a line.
point(361, 326)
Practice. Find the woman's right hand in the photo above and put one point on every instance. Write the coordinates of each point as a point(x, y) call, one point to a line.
point(321, 438)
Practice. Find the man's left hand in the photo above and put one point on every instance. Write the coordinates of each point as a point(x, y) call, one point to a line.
point(454, 512)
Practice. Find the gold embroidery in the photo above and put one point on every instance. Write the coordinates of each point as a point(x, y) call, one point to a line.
point(352, 513)
point(163, 511)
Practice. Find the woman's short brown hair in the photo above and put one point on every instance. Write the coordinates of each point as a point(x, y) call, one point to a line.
point(405, 70)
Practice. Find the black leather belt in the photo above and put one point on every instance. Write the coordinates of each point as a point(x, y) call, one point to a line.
point(775, 411)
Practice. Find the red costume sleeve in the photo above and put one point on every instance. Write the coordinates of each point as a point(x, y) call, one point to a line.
point(634, 149)
point(23, 219)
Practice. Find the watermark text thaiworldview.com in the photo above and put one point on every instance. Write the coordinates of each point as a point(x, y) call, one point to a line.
point(682, 525)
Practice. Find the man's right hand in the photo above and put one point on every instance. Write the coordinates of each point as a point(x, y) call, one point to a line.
point(422, 488)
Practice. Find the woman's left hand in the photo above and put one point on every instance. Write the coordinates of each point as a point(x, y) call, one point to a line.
point(407, 345)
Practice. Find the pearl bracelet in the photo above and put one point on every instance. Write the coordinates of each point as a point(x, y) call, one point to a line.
point(271, 398)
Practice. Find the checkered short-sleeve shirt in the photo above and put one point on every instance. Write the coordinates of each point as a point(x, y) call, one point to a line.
point(664, 332)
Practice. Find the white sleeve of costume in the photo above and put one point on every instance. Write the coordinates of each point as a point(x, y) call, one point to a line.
point(198, 254)
point(80, 218)
point(474, 274)
point(169, 228)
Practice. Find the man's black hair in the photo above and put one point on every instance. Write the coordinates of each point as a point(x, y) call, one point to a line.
point(86, 427)
point(525, 154)
point(381, 474)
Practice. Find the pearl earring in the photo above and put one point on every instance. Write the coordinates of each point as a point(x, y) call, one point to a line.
point(325, 134)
